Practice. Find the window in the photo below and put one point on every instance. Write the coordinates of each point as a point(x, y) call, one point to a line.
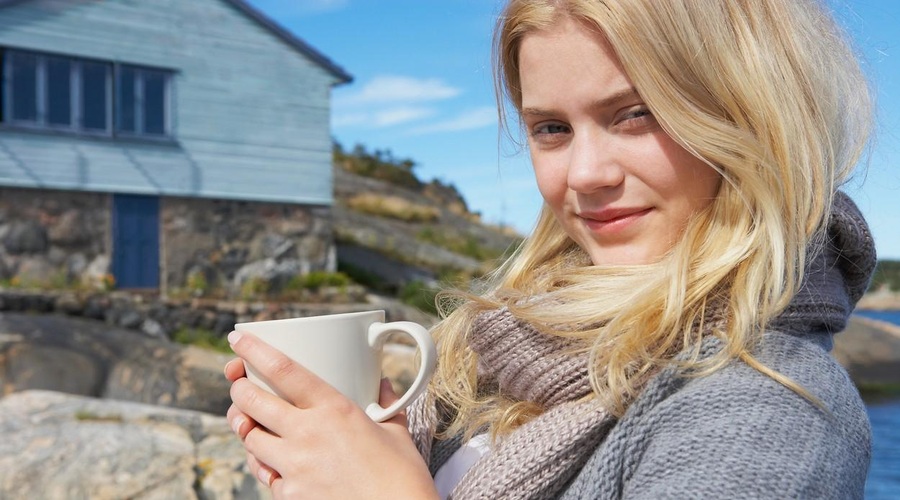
point(142, 97)
point(77, 95)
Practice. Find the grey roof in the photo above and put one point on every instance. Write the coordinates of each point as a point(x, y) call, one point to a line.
point(277, 30)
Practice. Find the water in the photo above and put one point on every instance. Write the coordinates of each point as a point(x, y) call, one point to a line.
point(883, 482)
point(887, 316)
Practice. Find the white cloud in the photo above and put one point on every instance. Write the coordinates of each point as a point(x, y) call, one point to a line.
point(387, 88)
point(382, 118)
point(396, 116)
point(472, 119)
point(349, 119)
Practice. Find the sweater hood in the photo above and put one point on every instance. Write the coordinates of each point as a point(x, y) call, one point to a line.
point(837, 275)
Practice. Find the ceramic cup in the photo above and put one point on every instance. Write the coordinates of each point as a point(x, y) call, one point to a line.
point(345, 350)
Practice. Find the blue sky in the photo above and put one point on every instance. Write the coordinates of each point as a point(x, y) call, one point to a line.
point(423, 90)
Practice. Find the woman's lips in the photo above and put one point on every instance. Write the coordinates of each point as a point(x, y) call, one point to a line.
point(612, 220)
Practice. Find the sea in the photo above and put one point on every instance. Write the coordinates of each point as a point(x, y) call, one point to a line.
point(883, 482)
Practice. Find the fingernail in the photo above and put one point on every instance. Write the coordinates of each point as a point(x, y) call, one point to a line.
point(234, 336)
point(265, 476)
point(236, 424)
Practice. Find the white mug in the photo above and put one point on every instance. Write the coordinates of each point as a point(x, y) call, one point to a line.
point(345, 350)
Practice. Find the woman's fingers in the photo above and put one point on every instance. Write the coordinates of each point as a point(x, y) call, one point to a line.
point(262, 472)
point(297, 384)
point(240, 422)
point(386, 398)
point(234, 369)
point(270, 450)
point(260, 406)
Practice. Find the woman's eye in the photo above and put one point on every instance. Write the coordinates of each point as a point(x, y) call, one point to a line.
point(636, 117)
point(549, 129)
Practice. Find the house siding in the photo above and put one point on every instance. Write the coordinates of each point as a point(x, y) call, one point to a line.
point(250, 117)
point(244, 185)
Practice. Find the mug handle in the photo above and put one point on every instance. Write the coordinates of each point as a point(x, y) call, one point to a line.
point(428, 362)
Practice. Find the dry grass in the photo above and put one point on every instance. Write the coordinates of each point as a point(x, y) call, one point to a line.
point(393, 207)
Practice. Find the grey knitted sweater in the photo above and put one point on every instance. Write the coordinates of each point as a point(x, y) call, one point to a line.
point(737, 433)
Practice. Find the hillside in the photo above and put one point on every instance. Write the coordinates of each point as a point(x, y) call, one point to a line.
point(399, 234)
point(396, 233)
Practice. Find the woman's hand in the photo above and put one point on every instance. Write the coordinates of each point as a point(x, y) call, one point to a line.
point(316, 443)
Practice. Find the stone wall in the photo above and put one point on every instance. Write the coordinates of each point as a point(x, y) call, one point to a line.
point(53, 238)
point(163, 317)
point(62, 239)
point(226, 243)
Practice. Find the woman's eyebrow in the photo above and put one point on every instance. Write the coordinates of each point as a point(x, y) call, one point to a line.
point(608, 101)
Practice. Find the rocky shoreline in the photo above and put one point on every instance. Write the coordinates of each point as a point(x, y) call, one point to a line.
point(95, 411)
point(870, 352)
point(880, 300)
point(91, 410)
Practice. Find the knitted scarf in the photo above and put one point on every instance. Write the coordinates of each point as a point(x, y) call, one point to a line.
point(540, 458)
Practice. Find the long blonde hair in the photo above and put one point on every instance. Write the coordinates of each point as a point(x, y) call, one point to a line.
point(770, 94)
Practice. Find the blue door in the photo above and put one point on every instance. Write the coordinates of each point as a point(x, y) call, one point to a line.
point(135, 241)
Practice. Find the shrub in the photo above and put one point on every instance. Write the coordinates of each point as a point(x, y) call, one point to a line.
point(317, 279)
point(379, 165)
point(254, 288)
point(420, 296)
point(197, 284)
point(887, 274)
point(202, 338)
point(468, 245)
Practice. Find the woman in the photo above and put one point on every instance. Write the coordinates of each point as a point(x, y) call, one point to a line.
point(663, 333)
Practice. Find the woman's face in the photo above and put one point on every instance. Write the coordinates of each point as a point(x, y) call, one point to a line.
point(616, 182)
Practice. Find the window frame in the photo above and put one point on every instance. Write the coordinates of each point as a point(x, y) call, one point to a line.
point(76, 126)
point(139, 96)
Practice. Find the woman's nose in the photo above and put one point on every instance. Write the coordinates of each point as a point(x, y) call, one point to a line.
point(593, 163)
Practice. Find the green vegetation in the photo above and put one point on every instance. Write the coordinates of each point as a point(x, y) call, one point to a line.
point(202, 338)
point(420, 296)
point(887, 273)
point(467, 245)
point(878, 392)
point(196, 284)
point(262, 289)
point(317, 279)
point(254, 288)
point(362, 276)
point(379, 164)
point(88, 416)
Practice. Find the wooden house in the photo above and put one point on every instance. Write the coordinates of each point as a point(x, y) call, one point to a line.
point(161, 144)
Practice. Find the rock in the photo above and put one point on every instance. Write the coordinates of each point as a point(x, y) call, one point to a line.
point(35, 271)
point(59, 446)
point(97, 269)
point(400, 365)
point(274, 274)
point(36, 366)
point(870, 352)
point(92, 358)
point(25, 237)
point(882, 299)
point(69, 229)
point(274, 246)
point(130, 319)
point(69, 303)
point(76, 264)
point(152, 328)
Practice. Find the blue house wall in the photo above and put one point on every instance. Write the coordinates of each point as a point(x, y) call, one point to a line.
point(249, 112)
point(239, 188)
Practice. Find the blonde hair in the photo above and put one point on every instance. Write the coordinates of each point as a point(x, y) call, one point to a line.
point(770, 94)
